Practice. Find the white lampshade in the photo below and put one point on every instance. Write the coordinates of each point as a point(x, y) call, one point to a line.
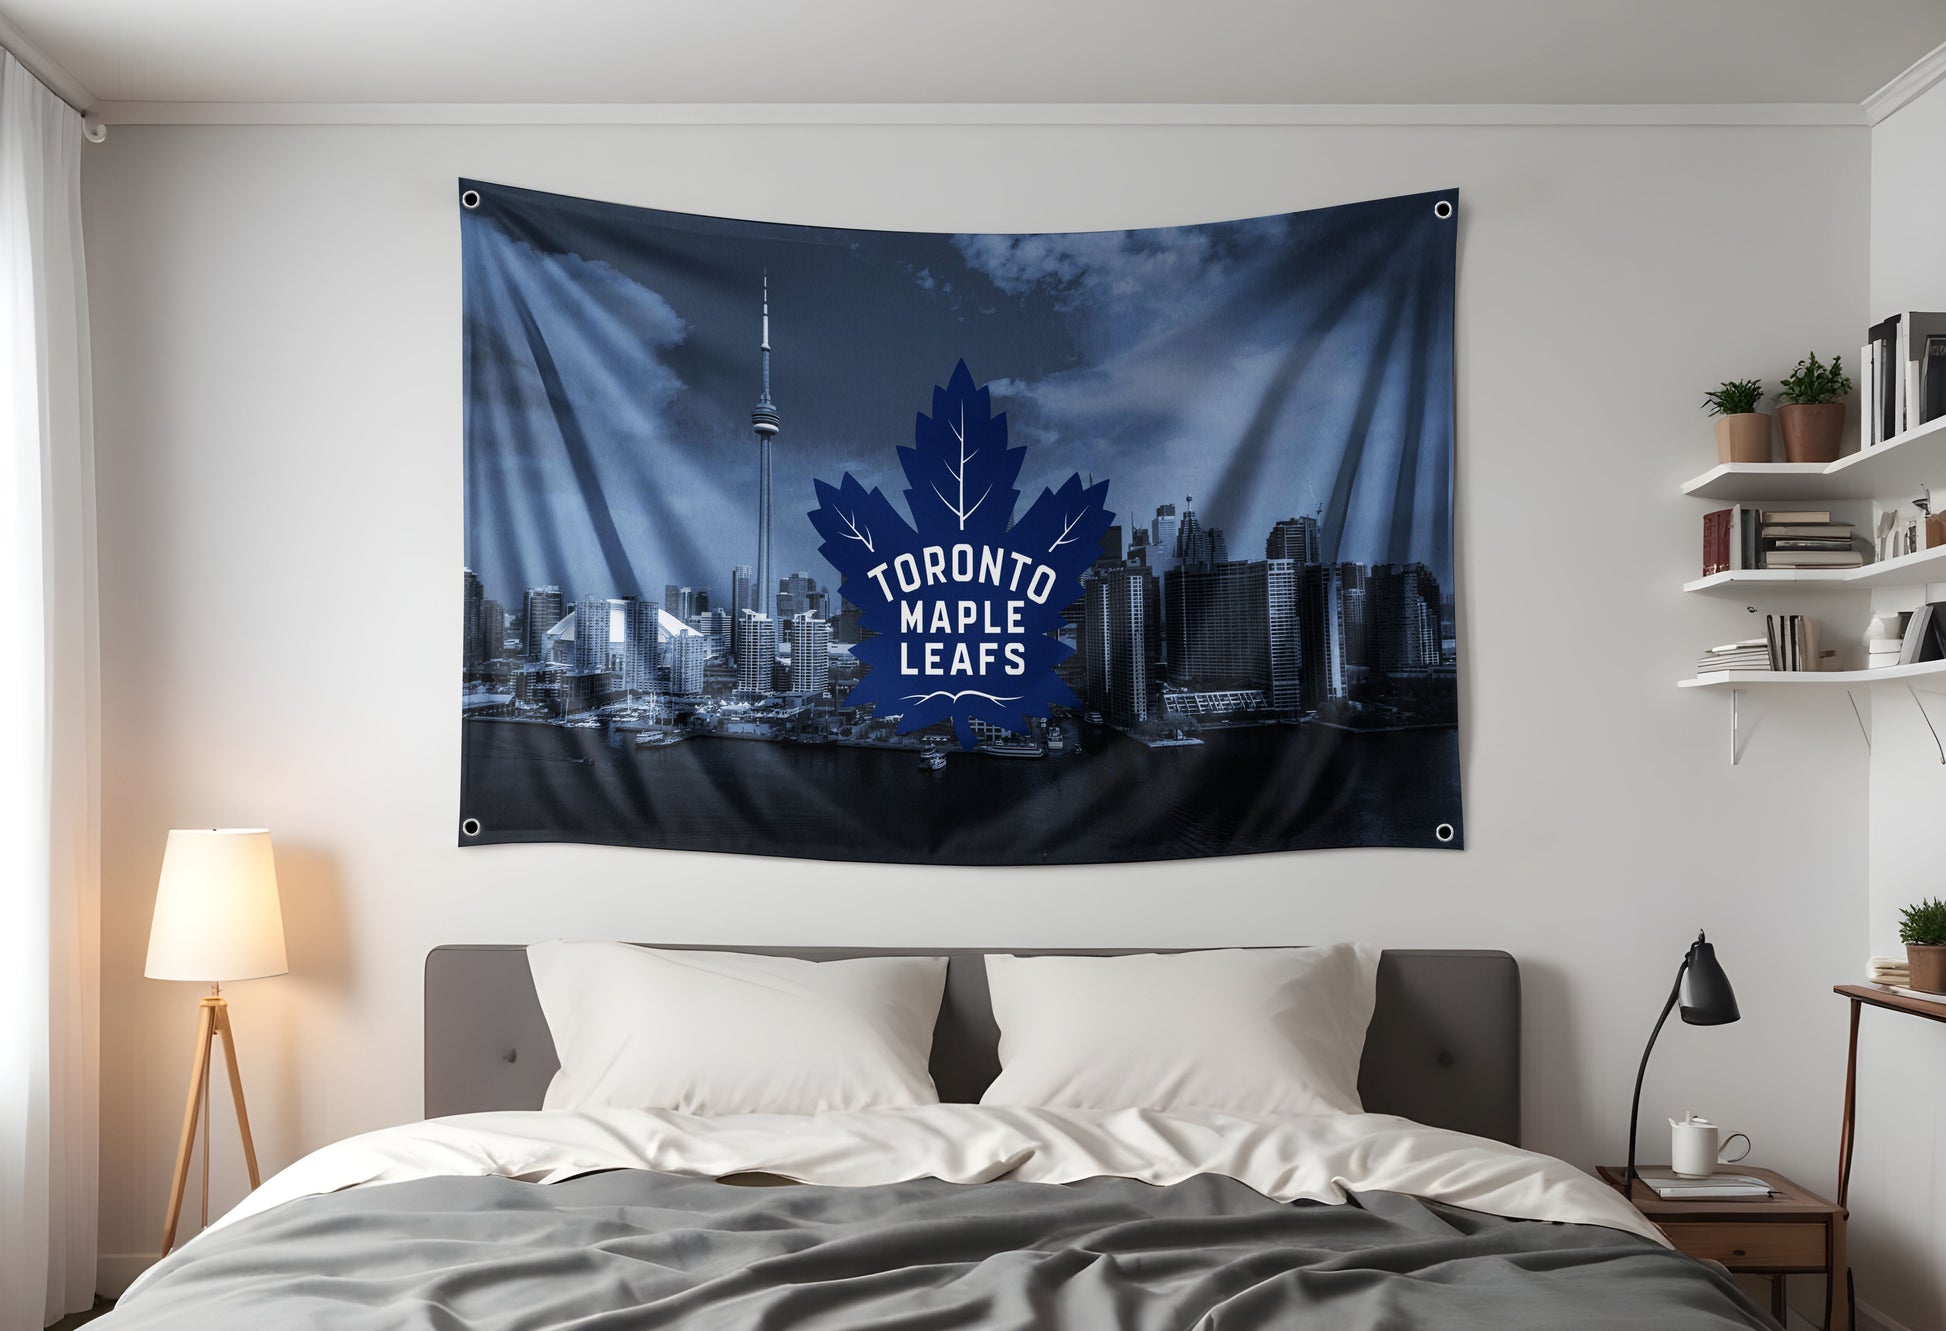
point(216, 911)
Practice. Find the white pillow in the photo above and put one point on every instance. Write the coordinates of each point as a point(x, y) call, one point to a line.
point(1247, 1031)
point(733, 1033)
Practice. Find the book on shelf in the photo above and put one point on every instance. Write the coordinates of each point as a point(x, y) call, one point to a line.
point(1749, 654)
point(1673, 1187)
point(1732, 540)
point(1925, 635)
point(1830, 531)
point(1774, 516)
point(1793, 642)
point(1904, 992)
point(1902, 375)
point(1814, 559)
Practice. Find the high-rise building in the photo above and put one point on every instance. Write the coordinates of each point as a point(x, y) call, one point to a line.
point(810, 653)
point(1402, 619)
point(687, 653)
point(1162, 535)
point(1295, 539)
point(641, 645)
point(1192, 544)
point(794, 595)
point(743, 589)
point(541, 611)
point(679, 601)
point(473, 628)
point(1351, 579)
point(1219, 547)
point(1234, 626)
point(758, 634)
point(1321, 633)
point(592, 633)
point(493, 628)
point(766, 422)
point(1115, 637)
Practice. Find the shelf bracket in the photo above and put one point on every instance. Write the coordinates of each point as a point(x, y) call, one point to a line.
point(1933, 729)
point(1859, 717)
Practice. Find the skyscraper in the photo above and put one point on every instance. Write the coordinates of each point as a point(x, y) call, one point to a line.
point(1294, 539)
point(641, 645)
point(1402, 619)
point(1321, 633)
point(541, 611)
point(765, 421)
point(679, 601)
point(1162, 534)
point(810, 653)
point(794, 595)
point(493, 627)
point(687, 653)
point(1235, 626)
point(759, 636)
point(592, 629)
point(472, 632)
point(1115, 637)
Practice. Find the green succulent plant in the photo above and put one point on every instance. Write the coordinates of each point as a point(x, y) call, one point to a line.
point(1736, 397)
point(1924, 924)
point(1814, 382)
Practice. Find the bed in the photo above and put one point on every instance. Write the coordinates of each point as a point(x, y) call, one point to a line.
point(495, 1214)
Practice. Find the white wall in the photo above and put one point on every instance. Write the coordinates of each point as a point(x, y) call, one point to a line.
point(277, 315)
point(1898, 1196)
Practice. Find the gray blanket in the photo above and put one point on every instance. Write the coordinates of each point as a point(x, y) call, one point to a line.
point(637, 1249)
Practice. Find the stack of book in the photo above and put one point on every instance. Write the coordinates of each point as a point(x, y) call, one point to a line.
point(1807, 540)
point(1750, 654)
point(1674, 1187)
point(1887, 651)
point(1902, 383)
point(1740, 538)
point(1925, 635)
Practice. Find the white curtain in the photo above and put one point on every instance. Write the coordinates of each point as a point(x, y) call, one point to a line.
point(49, 720)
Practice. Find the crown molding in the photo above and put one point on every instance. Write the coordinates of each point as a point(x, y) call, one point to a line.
point(971, 114)
point(44, 67)
point(1924, 72)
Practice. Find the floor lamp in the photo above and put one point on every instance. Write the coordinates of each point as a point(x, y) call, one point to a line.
point(216, 919)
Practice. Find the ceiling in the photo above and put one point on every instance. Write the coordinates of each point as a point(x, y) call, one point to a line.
point(1031, 51)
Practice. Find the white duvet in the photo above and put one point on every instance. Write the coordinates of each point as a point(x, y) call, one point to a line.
point(1287, 1157)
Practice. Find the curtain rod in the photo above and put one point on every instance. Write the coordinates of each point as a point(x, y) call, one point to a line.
point(52, 77)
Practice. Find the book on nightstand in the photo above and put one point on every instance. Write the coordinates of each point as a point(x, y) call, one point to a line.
point(1673, 1187)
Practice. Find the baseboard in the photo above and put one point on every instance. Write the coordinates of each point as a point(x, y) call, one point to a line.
point(116, 1271)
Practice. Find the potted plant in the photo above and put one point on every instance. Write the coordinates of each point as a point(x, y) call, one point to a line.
point(1742, 432)
point(1811, 409)
point(1922, 928)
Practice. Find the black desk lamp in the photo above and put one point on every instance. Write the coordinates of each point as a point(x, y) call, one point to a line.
point(1711, 1003)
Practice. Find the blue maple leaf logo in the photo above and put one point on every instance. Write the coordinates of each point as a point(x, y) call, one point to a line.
point(963, 600)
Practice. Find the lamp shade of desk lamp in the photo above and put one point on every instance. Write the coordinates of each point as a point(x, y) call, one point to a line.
point(217, 918)
point(1711, 1002)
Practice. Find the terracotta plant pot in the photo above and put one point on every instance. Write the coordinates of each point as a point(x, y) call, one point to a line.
point(1812, 431)
point(1744, 437)
point(1927, 965)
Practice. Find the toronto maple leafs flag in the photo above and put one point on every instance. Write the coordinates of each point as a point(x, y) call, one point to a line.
point(969, 549)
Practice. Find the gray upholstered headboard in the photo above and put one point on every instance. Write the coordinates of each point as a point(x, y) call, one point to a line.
point(1443, 1049)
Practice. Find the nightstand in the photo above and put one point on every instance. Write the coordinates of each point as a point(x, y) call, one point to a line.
point(1796, 1232)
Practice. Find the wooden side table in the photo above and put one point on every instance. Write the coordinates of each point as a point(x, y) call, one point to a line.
point(1795, 1232)
point(1864, 996)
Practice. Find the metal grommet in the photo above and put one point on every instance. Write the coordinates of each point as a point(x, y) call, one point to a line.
point(471, 827)
point(470, 199)
point(1443, 833)
point(1442, 210)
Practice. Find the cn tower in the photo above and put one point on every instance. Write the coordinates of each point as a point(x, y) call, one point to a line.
point(764, 419)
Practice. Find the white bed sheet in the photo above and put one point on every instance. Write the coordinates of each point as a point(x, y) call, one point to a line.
point(1287, 1157)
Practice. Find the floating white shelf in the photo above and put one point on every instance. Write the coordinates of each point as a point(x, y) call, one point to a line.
point(1894, 469)
point(1743, 679)
point(1905, 571)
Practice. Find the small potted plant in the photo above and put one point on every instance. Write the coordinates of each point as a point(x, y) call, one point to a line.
point(1742, 432)
point(1922, 928)
point(1811, 409)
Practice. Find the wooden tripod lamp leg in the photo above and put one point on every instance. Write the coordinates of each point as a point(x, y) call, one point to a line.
point(198, 1075)
point(236, 1092)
